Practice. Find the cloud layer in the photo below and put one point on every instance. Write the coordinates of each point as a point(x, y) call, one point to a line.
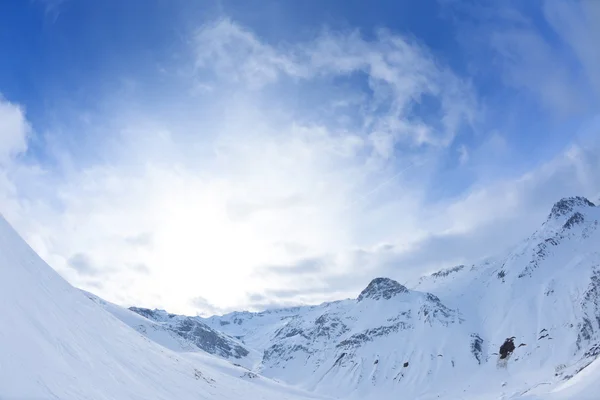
point(263, 173)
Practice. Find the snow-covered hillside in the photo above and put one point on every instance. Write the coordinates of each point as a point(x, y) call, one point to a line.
point(524, 325)
point(57, 344)
point(444, 337)
point(180, 333)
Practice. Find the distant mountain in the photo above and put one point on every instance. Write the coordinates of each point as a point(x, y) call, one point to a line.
point(511, 325)
point(180, 333)
point(198, 334)
point(523, 325)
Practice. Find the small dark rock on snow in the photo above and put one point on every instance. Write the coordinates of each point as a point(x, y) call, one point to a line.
point(507, 348)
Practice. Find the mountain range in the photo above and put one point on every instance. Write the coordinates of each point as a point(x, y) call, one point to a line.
point(522, 325)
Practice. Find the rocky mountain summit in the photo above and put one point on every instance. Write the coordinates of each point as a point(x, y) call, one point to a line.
point(382, 288)
point(568, 205)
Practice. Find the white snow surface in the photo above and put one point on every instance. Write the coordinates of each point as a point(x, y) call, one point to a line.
point(544, 294)
point(57, 344)
point(439, 339)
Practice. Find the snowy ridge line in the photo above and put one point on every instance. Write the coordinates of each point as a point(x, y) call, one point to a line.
point(524, 325)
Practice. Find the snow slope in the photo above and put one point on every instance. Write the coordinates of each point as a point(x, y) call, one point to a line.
point(442, 339)
point(524, 325)
point(56, 343)
point(179, 333)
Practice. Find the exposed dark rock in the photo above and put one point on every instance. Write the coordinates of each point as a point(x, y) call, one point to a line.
point(196, 332)
point(541, 251)
point(358, 339)
point(575, 219)
point(567, 205)
point(326, 326)
point(154, 315)
point(477, 347)
point(198, 375)
point(507, 348)
point(207, 339)
point(339, 359)
point(594, 351)
point(590, 304)
point(382, 288)
point(281, 352)
point(434, 309)
point(406, 364)
point(445, 272)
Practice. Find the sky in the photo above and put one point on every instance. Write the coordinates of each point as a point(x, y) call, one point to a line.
point(204, 157)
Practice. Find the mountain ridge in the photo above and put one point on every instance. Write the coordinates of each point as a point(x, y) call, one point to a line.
point(523, 325)
point(480, 311)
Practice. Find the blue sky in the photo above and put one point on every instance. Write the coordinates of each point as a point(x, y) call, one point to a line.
point(206, 156)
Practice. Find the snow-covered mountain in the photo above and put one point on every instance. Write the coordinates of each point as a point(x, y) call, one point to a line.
point(524, 325)
point(197, 333)
point(359, 347)
point(542, 299)
point(57, 344)
point(180, 333)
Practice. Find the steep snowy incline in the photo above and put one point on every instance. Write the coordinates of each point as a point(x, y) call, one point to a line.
point(180, 333)
point(545, 294)
point(527, 320)
point(56, 343)
point(150, 329)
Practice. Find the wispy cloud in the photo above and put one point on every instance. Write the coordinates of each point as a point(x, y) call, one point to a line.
point(412, 97)
point(14, 131)
point(298, 172)
point(82, 264)
point(549, 54)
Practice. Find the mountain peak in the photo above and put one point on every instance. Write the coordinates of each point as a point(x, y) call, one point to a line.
point(567, 205)
point(385, 288)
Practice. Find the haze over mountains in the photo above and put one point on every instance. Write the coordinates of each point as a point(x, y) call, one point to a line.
point(523, 325)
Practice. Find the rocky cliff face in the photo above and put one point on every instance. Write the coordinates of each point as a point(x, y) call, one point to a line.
point(382, 288)
point(196, 332)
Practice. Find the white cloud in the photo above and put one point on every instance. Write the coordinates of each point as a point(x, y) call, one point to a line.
point(196, 213)
point(13, 131)
point(577, 24)
point(236, 54)
point(553, 58)
point(529, 62)
point(400, 72)
point(463, 154)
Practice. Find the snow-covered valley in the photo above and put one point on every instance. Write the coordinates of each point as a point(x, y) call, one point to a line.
point(524, 325)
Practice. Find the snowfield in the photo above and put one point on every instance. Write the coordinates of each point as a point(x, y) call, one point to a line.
point(57, 344)
point(442, 338)
point(524, 325)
